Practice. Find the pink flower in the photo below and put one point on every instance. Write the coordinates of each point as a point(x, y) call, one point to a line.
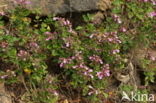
point(62, 21)
point(4, 44)
point(123, 29)
point(110, 39)
point(67, 44)
point(115, 51)
point(54, 92)
point(48, 38)
point(34, 45)
point(22, 54)
point(3, 76)
point(80, 66)
point(107, 72)
point(96, 58)
point(152, 58)
point(100, 75)
point(88, 73)
point(66, 22)
point(119, 41)
point(117, 19)
point(153, 2)
point(72, 31)
point(106, 66)
point(65, 61)
point(152, 14)
point(115, 16)
point(2, 13)
point(48, 33)
point(84, 70)
point(104, 73)
point(56, 18)
point(145, 0)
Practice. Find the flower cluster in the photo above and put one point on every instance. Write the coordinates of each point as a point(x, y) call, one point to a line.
point(117, 18)
point(153, 2)
point(105, 72)
point(80, 66)
point(110, 37)
point(49, 35)
point(96, 59)
point(65, 22)
point(23, 54)
point(152, 14)
point(65, 61)
point(34, 45)
point(85, 70)
point(8, 74)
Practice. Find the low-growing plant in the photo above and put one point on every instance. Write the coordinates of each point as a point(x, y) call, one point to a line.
point(87, 55)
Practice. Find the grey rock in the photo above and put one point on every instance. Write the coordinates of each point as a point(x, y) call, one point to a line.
point(58, 6)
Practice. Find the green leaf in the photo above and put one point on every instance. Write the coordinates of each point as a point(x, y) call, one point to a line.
point(79, 28)
point(12, 52)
